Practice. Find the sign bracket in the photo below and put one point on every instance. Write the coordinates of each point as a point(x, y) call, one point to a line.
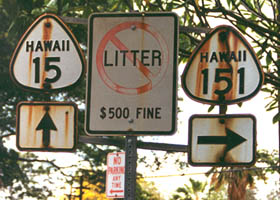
point(141, 145)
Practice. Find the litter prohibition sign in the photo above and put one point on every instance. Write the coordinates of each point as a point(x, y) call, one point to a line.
point(132, 62)
point(152, 70)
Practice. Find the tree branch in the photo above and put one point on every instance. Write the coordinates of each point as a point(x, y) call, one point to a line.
point(48, 162)
point(258, 29)
point(274, 80)
point(261, 16)
point(7, 135)
point(129, 5)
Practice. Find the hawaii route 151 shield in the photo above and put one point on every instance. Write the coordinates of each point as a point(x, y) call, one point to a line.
point(223, 69)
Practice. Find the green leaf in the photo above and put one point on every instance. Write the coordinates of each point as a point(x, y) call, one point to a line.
point(241, 27)
point(276, 118)
point(229, 3)
point(266, 90)
point(211, 108)
point(268, 58)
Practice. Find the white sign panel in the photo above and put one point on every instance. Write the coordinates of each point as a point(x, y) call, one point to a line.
point(132, 74)
point(47, 57)
point(223, 69)
point(222, 140)
point(46, 126)
point(115, 175)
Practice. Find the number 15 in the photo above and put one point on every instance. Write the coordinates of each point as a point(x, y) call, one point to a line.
point(48, 66)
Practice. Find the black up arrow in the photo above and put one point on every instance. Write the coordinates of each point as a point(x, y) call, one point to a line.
point(231, 139)
point(46, 124)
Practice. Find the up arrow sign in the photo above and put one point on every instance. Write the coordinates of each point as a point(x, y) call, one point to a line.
point(222, 140)
point(46, 124)
point(231, 140)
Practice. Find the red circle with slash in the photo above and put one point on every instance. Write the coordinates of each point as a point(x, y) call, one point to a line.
point(153, 78)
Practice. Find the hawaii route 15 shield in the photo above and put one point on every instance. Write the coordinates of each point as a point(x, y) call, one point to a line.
point(48, 56)
point(132, 74)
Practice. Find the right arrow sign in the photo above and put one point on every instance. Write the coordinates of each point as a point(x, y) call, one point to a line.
point(231, 140)
point(222, 140)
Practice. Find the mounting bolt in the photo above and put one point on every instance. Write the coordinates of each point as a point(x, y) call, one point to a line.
point(48, 24)
point(133, 27)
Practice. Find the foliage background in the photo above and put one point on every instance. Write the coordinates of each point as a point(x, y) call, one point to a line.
point(20, 172)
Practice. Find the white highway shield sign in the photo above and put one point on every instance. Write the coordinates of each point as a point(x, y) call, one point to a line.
point(132, 74)
point(223, 69)
point(46, 126)
point(222, 140)
point(47, 57)
point(115, 175)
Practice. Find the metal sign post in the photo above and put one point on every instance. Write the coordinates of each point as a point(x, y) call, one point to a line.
point(130, 167)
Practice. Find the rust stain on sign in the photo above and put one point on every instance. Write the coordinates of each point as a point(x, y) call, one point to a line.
point(201, 67)
point(223, 69)
point(30, 67)
point(66, 126)
point(46, 126)
point(225, 155)
point(228, 43)
point(47, 35)
point(29, 123)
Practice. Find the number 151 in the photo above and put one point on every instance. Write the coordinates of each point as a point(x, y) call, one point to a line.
point(220, 76)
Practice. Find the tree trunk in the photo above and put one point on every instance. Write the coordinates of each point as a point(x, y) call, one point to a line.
point(237, 186)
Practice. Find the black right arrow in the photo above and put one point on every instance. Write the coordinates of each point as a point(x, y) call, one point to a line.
point(46, 124)
point(231, 139)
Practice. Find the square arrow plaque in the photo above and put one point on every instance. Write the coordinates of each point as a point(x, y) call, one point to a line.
point(46, 126)
point(222, 140)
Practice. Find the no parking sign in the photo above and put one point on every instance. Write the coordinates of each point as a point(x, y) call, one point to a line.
point(132, 74)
